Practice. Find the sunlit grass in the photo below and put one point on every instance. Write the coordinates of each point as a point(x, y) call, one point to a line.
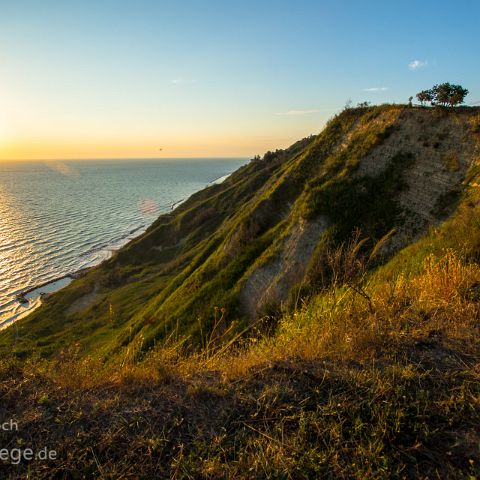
point(373, 374)
point(378, 384)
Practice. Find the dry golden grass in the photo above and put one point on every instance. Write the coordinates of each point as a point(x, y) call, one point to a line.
point(360, 321)
point(355, 320)
point(367, 380)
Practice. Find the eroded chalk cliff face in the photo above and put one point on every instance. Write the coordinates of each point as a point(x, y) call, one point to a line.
point(251, 243)
point(443, 149)
point(268, 284)
point(438, 149)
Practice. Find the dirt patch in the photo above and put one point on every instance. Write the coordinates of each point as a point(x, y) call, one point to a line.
point(84, 301)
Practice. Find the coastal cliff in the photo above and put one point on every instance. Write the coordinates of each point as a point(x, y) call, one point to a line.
point(256, 243)
point(313, 316)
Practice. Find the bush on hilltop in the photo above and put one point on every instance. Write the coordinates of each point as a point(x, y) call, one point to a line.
point(445, 94)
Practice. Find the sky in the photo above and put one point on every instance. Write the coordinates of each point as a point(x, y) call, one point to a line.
point(204, 78)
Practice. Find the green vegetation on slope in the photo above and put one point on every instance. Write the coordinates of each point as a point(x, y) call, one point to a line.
point(376, 377)
point(372, 373)
point(208, 252)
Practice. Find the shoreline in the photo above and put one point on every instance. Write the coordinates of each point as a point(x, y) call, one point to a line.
point(30, 301)
point(32, 298)
point(22, 297)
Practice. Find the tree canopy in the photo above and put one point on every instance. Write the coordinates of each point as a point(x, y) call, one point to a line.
point(445, 94)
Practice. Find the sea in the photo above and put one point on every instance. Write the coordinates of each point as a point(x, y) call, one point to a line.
point(60, 217)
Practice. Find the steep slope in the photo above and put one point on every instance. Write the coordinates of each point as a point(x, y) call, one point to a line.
point(375, 373)
point(258, 241)
point(376, 377)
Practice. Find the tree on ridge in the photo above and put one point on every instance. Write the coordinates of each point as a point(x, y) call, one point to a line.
point(444, 94)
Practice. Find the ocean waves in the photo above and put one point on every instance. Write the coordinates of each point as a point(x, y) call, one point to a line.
point(54, 224)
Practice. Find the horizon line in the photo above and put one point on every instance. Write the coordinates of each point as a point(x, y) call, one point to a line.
point(60, 159)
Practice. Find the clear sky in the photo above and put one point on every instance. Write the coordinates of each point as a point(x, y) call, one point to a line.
point(101, 78)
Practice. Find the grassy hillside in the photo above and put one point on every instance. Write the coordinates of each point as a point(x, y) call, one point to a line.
point(247, 249)
point(315, 316)
point(375, 377)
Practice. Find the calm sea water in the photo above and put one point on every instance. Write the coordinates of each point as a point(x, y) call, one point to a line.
point(59, 217)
